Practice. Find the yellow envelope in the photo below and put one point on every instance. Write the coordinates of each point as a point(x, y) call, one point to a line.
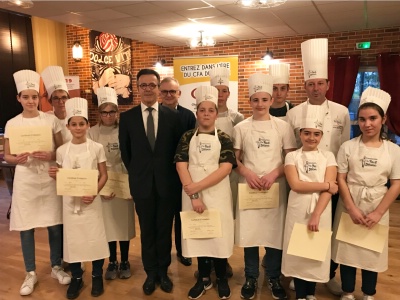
point(254, 199)
point(373, 239)
point(309, 244)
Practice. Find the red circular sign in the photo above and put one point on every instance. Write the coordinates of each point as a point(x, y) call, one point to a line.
point(108, 42)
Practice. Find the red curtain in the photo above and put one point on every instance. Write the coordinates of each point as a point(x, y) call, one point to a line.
point(342, 75)
point(389, 77)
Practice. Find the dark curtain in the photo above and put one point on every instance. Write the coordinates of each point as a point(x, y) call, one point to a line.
point(16, 53)
point(342, 75)
point(389, 77)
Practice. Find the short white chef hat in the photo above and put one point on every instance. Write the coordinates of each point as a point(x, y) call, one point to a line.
point(53, 79)
point(27, 80)
point(76, 107)
point(377, 96)
point(280, 72)
point(314, 53)
point(312, 117)
point(206, 93)
point(106, 95)
point(219, 76)
point(260, 82)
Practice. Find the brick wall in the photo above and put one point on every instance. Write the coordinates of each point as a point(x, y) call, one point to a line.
point(286, 49)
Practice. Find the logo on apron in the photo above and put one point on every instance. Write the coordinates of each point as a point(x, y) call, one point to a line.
point(262, 142)
point(112, 147)
point(369, 162)
point(310, 166)
point(204, 147)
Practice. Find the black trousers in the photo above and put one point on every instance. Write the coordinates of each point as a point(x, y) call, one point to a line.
point(97, 268)
point(334, 266)
point(178, 227)
point(368, 280)
point(156, 215)
point(304, 288)
point(204, 265)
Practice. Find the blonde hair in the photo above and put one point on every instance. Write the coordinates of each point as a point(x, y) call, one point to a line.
point(114, 106)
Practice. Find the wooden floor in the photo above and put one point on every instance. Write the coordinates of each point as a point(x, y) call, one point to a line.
point(12, 270)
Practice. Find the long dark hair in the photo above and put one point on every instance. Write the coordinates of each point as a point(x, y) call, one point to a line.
point(382, 134)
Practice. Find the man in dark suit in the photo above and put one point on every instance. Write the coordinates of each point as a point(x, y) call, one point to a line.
point(149, 134)
point(169, 94)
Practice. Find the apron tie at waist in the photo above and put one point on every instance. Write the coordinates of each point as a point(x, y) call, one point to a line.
point(313, 203)
point(366, 193)
point(77, 205)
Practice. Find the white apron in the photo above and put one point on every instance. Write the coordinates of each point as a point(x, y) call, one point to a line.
point(84, 232)
point(118, 214)
point(262, 153)
point(203, 162)
point(311, 167)
point(369, 169)
point(225, 124)
point(34, 201)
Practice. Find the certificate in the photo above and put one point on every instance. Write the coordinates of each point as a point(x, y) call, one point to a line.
point(201, 226)
point(253, 199)
point(309, 244)
point(77, 182)
point(28, 139)
point(373, 239)
point(118, 184)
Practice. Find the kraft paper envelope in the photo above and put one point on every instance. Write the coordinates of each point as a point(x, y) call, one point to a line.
point(201, 226)
point(309, 244)
point(254, 199)
point(373, 239)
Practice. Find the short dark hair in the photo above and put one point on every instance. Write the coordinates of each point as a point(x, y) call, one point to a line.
point(148, 72)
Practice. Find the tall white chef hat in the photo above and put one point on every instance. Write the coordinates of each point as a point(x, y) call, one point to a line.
point(312, 117)
point(219, 76)
point(53, 79)
point(280, 72)
point(314, 53)
point(260, 82)
point(76, 107)
point(27, 80)
point(107, 95)
point(377, 96)
point(206, 93)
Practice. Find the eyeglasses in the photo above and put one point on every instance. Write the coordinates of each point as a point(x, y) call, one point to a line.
point(63, 98)
point(171, 92)
point(108, 113)
point(151, 86)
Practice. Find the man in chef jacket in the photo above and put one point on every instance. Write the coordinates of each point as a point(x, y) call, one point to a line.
point(336, 126)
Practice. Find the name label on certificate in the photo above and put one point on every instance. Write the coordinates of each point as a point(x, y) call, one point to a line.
point(118, 184)
point(77, 182)
point(201, 226)
point(373, 239)
point(309, 244)
point(29, 139)
point(255, 199)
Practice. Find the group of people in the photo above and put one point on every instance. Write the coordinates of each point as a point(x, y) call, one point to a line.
point(180, 163)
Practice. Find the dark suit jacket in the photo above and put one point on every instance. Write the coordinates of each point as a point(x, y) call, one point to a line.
point(144, 166)
point(187, 117)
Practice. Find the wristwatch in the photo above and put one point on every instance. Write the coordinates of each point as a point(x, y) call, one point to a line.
point(194, 196)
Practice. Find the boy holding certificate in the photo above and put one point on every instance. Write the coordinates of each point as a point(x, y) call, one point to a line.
point(204, 159)
point(311, 174)
point(366, 163)
point(84, 232)
point(34, 200)
point(118, 214)
point(260, 143)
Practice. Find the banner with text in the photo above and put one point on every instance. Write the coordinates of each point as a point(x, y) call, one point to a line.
point(194, 71)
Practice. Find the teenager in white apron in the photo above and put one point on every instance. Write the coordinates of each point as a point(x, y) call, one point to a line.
point(34, 201)
point(227, 119)
point(84, 232)
point(118, 214)
point(311, 174)
point(366, 163)
point(204, 159)
point(260, 143)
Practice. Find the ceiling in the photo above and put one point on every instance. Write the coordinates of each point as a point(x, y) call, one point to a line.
point(171, 23)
